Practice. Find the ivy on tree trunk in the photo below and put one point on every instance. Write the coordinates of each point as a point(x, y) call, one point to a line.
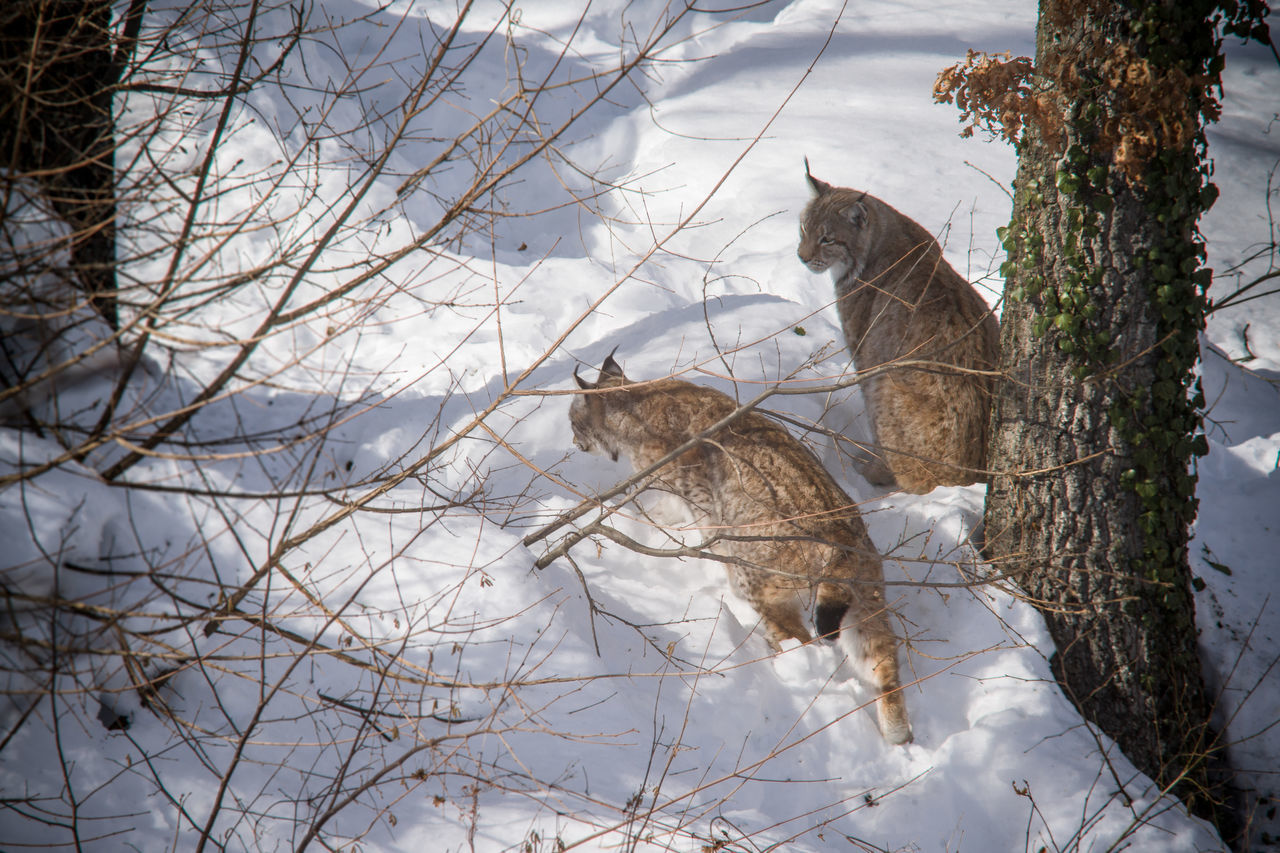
point(1096, 420)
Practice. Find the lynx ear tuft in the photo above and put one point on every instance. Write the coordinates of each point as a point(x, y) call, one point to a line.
point(819, 187)
point(582, 383)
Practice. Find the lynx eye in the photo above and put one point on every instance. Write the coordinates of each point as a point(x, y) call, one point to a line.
point(824, 240)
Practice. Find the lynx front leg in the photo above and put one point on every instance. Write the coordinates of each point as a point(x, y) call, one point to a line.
point(871, 462)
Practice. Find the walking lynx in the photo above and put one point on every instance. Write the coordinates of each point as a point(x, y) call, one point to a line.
point(796, 539)
point(899, 299)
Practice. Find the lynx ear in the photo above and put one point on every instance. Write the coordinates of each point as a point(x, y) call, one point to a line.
point(856, 213)
point(582, 383)
point(611, 368)
point(818, 187)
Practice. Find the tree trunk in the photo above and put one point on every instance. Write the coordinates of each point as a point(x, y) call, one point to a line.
point(1094, 434)
point(58, 72)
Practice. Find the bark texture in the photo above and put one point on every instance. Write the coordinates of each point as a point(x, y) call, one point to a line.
point(1093, 435)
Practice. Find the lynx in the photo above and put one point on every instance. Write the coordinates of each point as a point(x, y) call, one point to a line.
point(898, 298)
point(796, 540)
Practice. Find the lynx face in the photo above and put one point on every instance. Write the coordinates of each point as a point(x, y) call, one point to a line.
point(836, 231)
point(587, 412)
point(588, 435)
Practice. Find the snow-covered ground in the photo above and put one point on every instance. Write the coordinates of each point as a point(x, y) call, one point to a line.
point(611, 700)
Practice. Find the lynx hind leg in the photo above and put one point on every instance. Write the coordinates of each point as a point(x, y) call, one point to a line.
point(780, 610)
point(872, 647)
point(910, 418)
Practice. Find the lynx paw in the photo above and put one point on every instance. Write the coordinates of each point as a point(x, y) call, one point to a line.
point(875, 472)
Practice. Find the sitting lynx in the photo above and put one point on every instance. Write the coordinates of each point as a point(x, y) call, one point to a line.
point(795, 536)
point(899, 299)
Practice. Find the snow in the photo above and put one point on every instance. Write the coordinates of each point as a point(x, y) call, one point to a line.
point(608, 701)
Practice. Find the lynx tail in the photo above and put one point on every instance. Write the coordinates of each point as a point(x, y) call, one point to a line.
point(873, 650)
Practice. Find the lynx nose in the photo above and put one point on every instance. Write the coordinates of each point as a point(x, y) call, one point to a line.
point(812, 264)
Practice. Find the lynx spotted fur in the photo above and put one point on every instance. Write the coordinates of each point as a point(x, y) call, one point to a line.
point(795, 537)
point(899, 299)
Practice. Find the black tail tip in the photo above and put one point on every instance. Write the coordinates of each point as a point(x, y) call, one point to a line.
point(826, 618)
